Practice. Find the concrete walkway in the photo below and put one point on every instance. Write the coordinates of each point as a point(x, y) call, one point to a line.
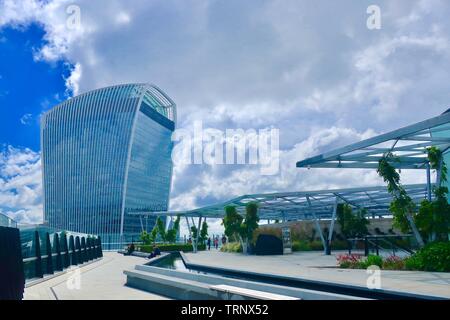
point(100, 280)
point(317, 266)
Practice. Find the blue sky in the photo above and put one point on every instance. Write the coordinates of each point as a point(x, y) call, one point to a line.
point(27, 87)
point(311, 69)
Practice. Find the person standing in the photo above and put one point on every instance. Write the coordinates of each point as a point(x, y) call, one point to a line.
point(209, 243)
point(224, 240)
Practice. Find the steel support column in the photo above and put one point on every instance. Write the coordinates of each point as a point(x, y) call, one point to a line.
point(330, 232)
point(428, 182)
point(319, 229)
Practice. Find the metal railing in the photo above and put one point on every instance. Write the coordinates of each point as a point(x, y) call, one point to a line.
point(377, 243)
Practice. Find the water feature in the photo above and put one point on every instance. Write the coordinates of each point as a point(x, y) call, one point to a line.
point(172, 261)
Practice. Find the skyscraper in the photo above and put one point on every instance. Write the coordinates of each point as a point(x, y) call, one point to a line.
point(105, 153)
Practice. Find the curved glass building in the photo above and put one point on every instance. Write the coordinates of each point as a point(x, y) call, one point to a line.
point(105, 153)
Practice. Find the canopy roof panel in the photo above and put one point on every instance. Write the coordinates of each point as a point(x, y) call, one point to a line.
point(409, 144)
point(304, 205)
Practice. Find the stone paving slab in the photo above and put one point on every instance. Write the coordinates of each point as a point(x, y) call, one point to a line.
point(100, 280)
point(317, 266)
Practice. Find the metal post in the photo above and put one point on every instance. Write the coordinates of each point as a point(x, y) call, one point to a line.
point(198, 234)
point(428, 182)
point(319, 229)
point(366, 246)
point(330, 233)
point(189, 227)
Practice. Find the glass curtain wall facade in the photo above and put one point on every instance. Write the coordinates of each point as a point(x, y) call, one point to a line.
point(106, 153)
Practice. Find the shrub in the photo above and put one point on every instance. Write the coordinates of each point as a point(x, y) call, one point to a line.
point(301, 246)
point(356, 261)
point(372, 261)
point(413, 263)
point(349, 261)
point(433, 257)
point(394, 263)
point(231, 247)
point(316, 245)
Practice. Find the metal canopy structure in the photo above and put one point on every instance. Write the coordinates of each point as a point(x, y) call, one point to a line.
point(306, 205)
point(409, 144)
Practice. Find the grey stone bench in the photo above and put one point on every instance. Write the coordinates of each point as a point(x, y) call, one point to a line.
point(249, 293)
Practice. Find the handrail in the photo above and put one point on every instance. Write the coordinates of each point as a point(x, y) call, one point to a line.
point(374, 240)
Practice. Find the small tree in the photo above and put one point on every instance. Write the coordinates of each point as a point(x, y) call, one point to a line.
point(232, 222)
point(154, 234)
point(433, 218)
point(161, 229)
point(250, 224)
point(145, 237)
point(194, 232)
point(171, 235)
point(239, 228)
point(204, 232)
point(402, 206)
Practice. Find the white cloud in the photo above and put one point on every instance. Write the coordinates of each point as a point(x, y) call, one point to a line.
point(323, 79)
point(123, 18)
point(73, 81)
point(21, 185)
point(25, 119)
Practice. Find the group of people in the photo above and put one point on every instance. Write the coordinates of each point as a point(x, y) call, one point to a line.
point(215, 242)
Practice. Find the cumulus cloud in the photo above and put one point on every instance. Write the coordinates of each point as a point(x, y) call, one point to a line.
point(311, 69)
point(21, 185)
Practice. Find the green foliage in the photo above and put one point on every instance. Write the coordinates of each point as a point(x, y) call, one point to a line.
point(232, 222)
point(373, 261)
point(301, 245)
point(231, 247)
point(355, 261)
point(203, 232)
point(433, 217)
point(400, 208)
point(250, 223)
point(171, 234)
point(388, 172)
point(393, 263)
point(434, 256)
point(414, 263)
point(194, 232)
point(436, 161)
point(236, 227)
point(161, 228)
point(402, 204)
point(154, 234)
point(145, 237)
point(352, 225)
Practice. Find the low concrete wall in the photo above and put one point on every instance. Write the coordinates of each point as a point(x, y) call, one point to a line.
point(196, 285)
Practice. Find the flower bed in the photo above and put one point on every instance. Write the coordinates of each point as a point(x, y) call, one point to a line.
point(433, 257)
